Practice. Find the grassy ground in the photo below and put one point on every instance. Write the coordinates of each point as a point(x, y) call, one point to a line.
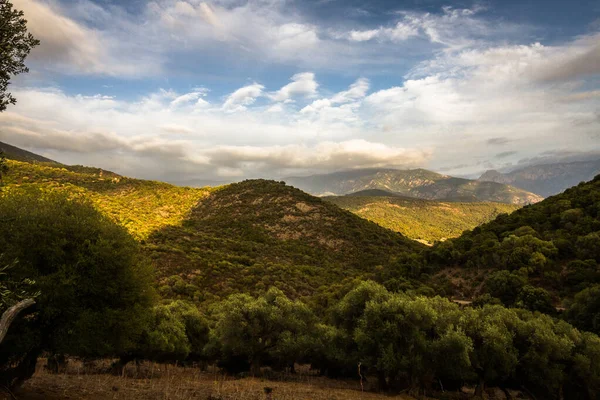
point(156, 381)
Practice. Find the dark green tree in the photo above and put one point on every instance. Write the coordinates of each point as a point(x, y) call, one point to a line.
point(15, 45)
point(3, 167)
point(268, 330)
point(95, 289)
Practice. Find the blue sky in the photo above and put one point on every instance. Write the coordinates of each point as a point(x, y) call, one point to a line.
point(231, 89)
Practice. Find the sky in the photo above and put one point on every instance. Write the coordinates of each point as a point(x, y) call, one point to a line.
point(184, 90)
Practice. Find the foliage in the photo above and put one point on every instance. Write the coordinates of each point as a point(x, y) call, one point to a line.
point(423, 220)
point(140, 206)
point(267, 330)
point(552, 245)
point(94, 286)
point(249, 236)
point(585, 310)
point(11, 291)
point(15, 45)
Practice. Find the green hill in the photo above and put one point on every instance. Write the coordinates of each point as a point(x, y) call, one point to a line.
point(251, 235)
point(553, 245)
point(418, 183)
point(141, 206)
point(424, 220)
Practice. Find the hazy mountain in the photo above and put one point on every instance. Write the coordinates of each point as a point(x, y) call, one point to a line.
point(418, 183)
point(548, 179)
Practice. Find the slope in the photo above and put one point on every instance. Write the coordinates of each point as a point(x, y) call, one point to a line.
point(251, 235)
point(424, 220)
point(17, 154)
point(554, 245)
point(419, 183)
point(548, 179)
point(141, 206)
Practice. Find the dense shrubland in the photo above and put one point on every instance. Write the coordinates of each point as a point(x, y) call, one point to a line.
point(538, 257)
point(425, 220)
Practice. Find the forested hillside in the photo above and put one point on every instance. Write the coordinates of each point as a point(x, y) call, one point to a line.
point(255, 234)
point(419, 183)
point(424, 220)
point(536, 257)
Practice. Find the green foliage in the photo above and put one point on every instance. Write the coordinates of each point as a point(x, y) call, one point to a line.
point(585, 310)
point(4, 168)
point(424, 220)
point(269, 329)
point(552, 244)
point(16, 43)
point(94, 286)
point(140, 206)
point(250, 236)
point(11, 291)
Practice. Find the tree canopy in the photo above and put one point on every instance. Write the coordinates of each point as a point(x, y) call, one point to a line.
point(15, 45)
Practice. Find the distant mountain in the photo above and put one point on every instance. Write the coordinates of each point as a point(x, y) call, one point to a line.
point(548, 179)
point(17, 154)
point(424, 220)
point(417, 183)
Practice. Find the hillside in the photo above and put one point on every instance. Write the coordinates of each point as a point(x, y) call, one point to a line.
point(141, 206)
point(419, 183)
point(17, 154)
point(424, 220)
point(251, 235)
point(553, 245)
point(548, 179)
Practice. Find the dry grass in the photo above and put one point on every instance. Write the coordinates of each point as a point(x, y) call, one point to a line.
point(156, 381)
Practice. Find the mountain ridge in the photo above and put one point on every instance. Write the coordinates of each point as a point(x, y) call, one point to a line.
point(546, 179)
point(417, 183)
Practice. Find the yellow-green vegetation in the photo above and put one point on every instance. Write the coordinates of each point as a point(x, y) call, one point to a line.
point(423, 220)
point(141, 206)
point(255, 234)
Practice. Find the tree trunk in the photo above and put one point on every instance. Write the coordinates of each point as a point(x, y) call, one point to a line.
point(255, 366)
point(24, 370)
point(9, 316)
point(118, 368)
point(480, 389)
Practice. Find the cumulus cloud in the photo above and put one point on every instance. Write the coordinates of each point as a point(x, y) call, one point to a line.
point(70, 46)
point(238, 100)
point(303, 84)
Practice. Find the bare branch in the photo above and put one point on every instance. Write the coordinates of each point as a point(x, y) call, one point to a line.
point(9, 315)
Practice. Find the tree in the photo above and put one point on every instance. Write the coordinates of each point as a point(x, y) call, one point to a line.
point(584, 313)
point(95, 289)
point(270, 329)
point(15, 45)
point(3, 167)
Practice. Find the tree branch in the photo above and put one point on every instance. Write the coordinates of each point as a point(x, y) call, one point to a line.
point(10, 314)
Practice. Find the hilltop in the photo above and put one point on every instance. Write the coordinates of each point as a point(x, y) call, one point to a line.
point(547, 179)
point(254, 234)
point(416, 183)
point(424, 220)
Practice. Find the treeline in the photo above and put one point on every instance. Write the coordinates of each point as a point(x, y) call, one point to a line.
point(95, 299)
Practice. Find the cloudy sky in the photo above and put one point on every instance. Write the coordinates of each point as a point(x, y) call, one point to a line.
point(229, 89)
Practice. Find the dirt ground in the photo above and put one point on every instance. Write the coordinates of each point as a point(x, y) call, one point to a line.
point(156, 381)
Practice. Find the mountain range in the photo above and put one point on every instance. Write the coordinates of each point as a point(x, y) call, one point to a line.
point(416, 183)
point(547, 179)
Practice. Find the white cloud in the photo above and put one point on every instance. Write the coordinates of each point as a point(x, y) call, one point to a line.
point(303, 84)
point(356, 91)
point(69, 46)
point(242, 97)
